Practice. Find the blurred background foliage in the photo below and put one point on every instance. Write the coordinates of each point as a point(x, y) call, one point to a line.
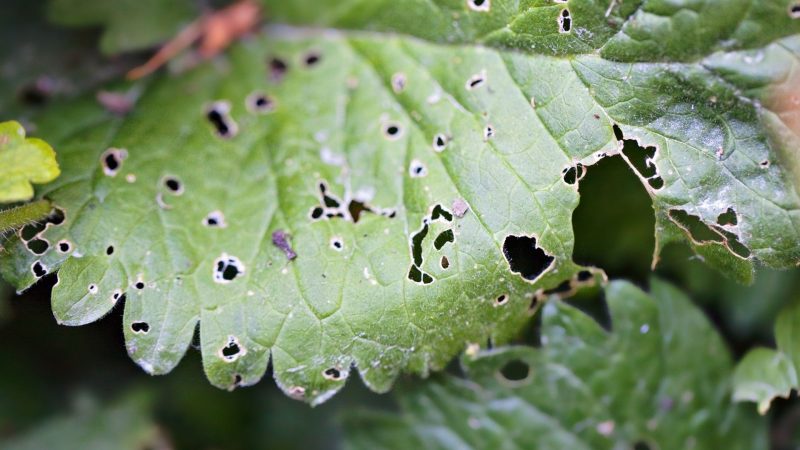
point(66, 387)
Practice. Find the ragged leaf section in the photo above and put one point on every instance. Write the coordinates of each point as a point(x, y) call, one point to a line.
point(340, 201)
point(659, 379)
point(23, 161)
point(764, 373)
point(125, 424)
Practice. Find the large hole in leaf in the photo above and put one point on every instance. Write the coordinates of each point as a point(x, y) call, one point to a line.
point(524, 257)
point(515, 371)
point(614, 223)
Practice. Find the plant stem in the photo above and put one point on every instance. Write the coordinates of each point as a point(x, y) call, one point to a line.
point(14, 218)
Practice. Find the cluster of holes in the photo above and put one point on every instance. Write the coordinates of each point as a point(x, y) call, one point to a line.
point(260, 103)
point(218, 114)
point(564, 21)
point(702, 233)
point(331, 207)
point(479, 5)
point(415, 273)
point(31, 236)
point(227, 268)
point(112, 159)
point(525, 258)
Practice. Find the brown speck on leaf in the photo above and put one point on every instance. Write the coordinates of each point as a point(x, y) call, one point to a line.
point(281, 240)
point(115, 102)
point(597, 116)
point(460, 207)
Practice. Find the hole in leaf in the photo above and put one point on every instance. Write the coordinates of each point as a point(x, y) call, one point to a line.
point(173, 185)
point(476, 81)
point(332, 374)
point(227, 268)
point(525, 258)
point(111, 160)
point(317, 212)
point(337, 244)
point(219, 116)
point(64, 246)
point(479, 5)
point(439, 211)
point(574, 174)
point(642, 161)
point(215, 219)
point(515, 371)
point(277, 69)
point(488, 132)
point(443, 238)
point(356, 208)
point(439, 142)
point(312, 58)
point(392, 131)
point(110, 250)
point(501, 300)
point(38, 246)
point(38, 269)
point(417, 169)
point(231, 351)
point(728, 218)
point(565, 21)
point(794, 10)
point(140, 327)
point(139, 285)
point(260, 103)
point(699, 231)
point(93, 289)
point(30, 231)
point(614, 222)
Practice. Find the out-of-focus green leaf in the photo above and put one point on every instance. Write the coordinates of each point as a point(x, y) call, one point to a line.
point(658, 379)
point(124, 425)
point(127, 24)
point(764, 373)
point(23, 161)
